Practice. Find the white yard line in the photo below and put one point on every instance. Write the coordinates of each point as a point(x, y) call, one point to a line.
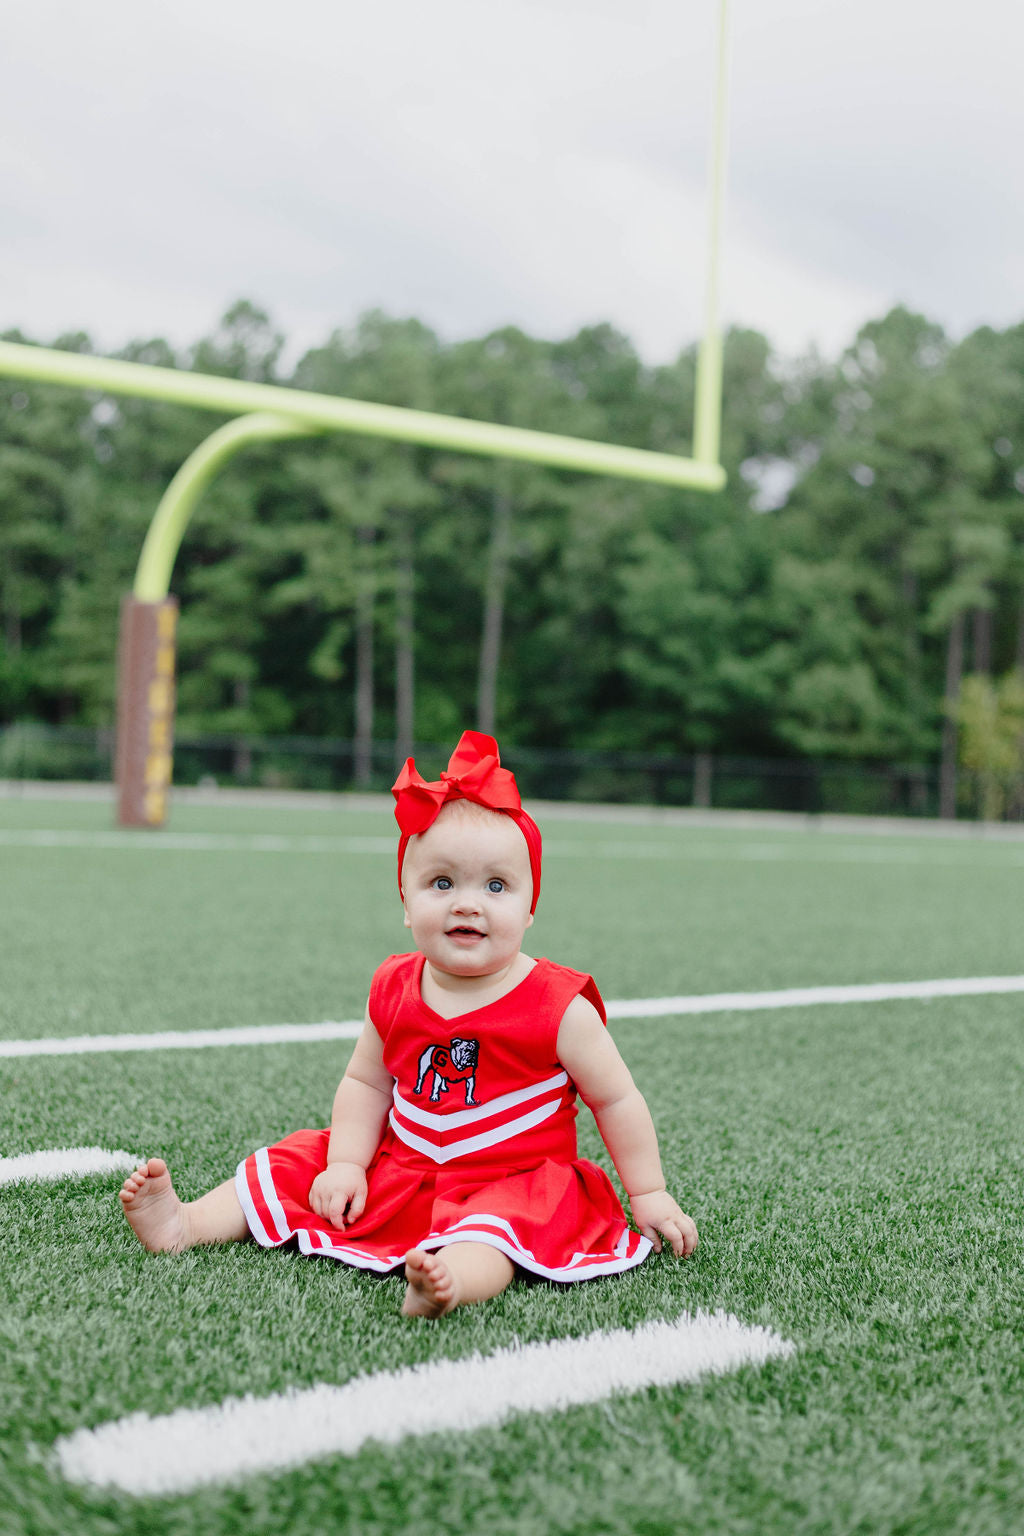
point(810, 997)
point(630, 1008)
point(797, 850)
point(182, 1039)
point(195, 842)
point(192, 1447)
point(65, 1163)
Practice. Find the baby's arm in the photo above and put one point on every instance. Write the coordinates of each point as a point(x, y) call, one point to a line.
point(360, 1108)
point(590, 1056)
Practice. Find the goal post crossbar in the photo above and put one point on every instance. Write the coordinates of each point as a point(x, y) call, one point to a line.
point(265, 411)
point(327, 412)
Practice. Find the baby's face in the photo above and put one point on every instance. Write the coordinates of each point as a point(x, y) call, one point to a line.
point(468, 890)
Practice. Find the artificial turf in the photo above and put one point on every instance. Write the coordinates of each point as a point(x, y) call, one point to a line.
point(855, 1172)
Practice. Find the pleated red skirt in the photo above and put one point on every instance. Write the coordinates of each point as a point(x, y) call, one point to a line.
point(562, 1221)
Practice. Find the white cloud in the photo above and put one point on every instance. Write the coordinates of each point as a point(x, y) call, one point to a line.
point(535, 163)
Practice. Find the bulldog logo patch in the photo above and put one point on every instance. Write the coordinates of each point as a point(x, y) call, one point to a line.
point(455, 1062)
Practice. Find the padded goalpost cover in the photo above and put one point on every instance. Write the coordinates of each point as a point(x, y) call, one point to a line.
point(145, 710)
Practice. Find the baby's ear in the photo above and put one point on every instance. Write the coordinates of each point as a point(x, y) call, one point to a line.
point(405, 909)
point(529, 921)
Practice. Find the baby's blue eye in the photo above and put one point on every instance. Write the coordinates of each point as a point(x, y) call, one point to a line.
point(443, 883)
point(495, 886)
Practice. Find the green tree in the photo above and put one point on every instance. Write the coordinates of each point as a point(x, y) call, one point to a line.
point(897, 494)
point(395, 362)
point(489, 524)
point(990, 719)
point(47, 475)
point(243, 346)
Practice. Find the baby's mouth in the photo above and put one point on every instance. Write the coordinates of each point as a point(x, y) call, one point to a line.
point(464, 931)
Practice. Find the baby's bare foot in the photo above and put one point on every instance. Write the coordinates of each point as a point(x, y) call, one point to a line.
point(431, 1288)
point(154, 1212)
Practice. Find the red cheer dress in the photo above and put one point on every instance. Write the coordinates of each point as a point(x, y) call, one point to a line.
point(479, 1146)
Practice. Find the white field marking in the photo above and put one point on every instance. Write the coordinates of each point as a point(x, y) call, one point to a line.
point(809, 850)
point(182, 1039)
point(241, 1437)
point(808, 997)
point(196, 842)
point(65, 1163)
point(802, 851)
point(630, 1008)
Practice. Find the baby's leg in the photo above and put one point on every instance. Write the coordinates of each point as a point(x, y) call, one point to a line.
point(163, 1223)
point(453, 1277)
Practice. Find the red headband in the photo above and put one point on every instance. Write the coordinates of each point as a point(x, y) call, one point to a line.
point(474, 773)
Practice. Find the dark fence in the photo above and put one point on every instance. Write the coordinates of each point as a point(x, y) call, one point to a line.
point(31, 752)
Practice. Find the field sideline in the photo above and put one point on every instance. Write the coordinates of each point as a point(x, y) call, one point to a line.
point(854, 1171)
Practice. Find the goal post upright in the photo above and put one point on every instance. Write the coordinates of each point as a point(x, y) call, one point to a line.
point(707, 410)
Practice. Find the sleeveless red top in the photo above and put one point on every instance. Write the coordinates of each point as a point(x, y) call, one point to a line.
point(485, 1089)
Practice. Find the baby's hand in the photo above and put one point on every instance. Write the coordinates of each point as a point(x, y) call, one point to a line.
point(340, 1189)
point(658, 1212)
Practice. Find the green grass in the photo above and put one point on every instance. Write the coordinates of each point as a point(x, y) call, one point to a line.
point(855, 1173)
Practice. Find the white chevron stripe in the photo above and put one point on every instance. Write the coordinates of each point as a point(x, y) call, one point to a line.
point(469, 1144)
point(442, 1123)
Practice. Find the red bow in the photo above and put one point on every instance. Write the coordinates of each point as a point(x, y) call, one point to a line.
point(473, 773)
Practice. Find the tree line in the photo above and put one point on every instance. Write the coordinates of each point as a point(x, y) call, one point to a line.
point(857, 591)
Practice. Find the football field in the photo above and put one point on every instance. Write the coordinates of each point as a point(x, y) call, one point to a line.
point(844, 1353)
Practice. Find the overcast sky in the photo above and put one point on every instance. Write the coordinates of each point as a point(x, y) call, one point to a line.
point(483, 162)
